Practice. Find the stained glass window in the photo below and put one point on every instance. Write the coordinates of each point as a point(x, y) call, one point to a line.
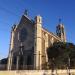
point(23, 34)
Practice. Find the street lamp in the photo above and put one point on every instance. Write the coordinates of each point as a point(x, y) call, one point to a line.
point(53, 66)
point(69, 65)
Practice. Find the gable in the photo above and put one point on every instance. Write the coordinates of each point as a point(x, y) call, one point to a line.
point(24, 33)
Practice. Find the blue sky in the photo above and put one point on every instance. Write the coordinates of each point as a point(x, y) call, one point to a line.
point(50, 10)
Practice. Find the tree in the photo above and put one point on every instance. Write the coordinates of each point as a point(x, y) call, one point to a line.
point(61, 52)
point(3, 61)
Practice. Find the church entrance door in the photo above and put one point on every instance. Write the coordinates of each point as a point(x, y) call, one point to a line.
point(21, 62)
point(29, 62)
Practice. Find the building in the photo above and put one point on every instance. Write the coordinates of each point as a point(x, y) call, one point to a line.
point(29, 42)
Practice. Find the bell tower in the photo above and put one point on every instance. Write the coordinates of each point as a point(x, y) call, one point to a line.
point(60, 31)
point(38, 42)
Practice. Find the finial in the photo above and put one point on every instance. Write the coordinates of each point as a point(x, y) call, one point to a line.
point(26, 12)
point(13, 27)
point(59, 20)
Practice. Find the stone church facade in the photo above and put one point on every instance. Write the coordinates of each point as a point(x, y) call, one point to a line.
point(29, 42)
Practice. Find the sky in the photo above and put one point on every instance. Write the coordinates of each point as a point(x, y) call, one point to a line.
point(50, 10)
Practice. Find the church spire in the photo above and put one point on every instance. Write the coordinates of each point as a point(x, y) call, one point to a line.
point(60, 31)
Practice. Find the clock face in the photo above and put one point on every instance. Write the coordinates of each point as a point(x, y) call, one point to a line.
point(23, 34)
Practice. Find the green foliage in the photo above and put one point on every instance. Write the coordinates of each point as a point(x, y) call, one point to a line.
point(3, 61)
point(60, 53)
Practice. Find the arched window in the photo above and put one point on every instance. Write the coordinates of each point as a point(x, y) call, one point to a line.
point(22, 34)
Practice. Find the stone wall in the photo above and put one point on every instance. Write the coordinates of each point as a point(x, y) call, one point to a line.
point(37, 72)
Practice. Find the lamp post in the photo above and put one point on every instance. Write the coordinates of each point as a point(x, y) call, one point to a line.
point(69, 65)
point(53, 66)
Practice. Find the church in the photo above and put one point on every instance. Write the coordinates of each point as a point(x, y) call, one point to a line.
point(29, 42)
